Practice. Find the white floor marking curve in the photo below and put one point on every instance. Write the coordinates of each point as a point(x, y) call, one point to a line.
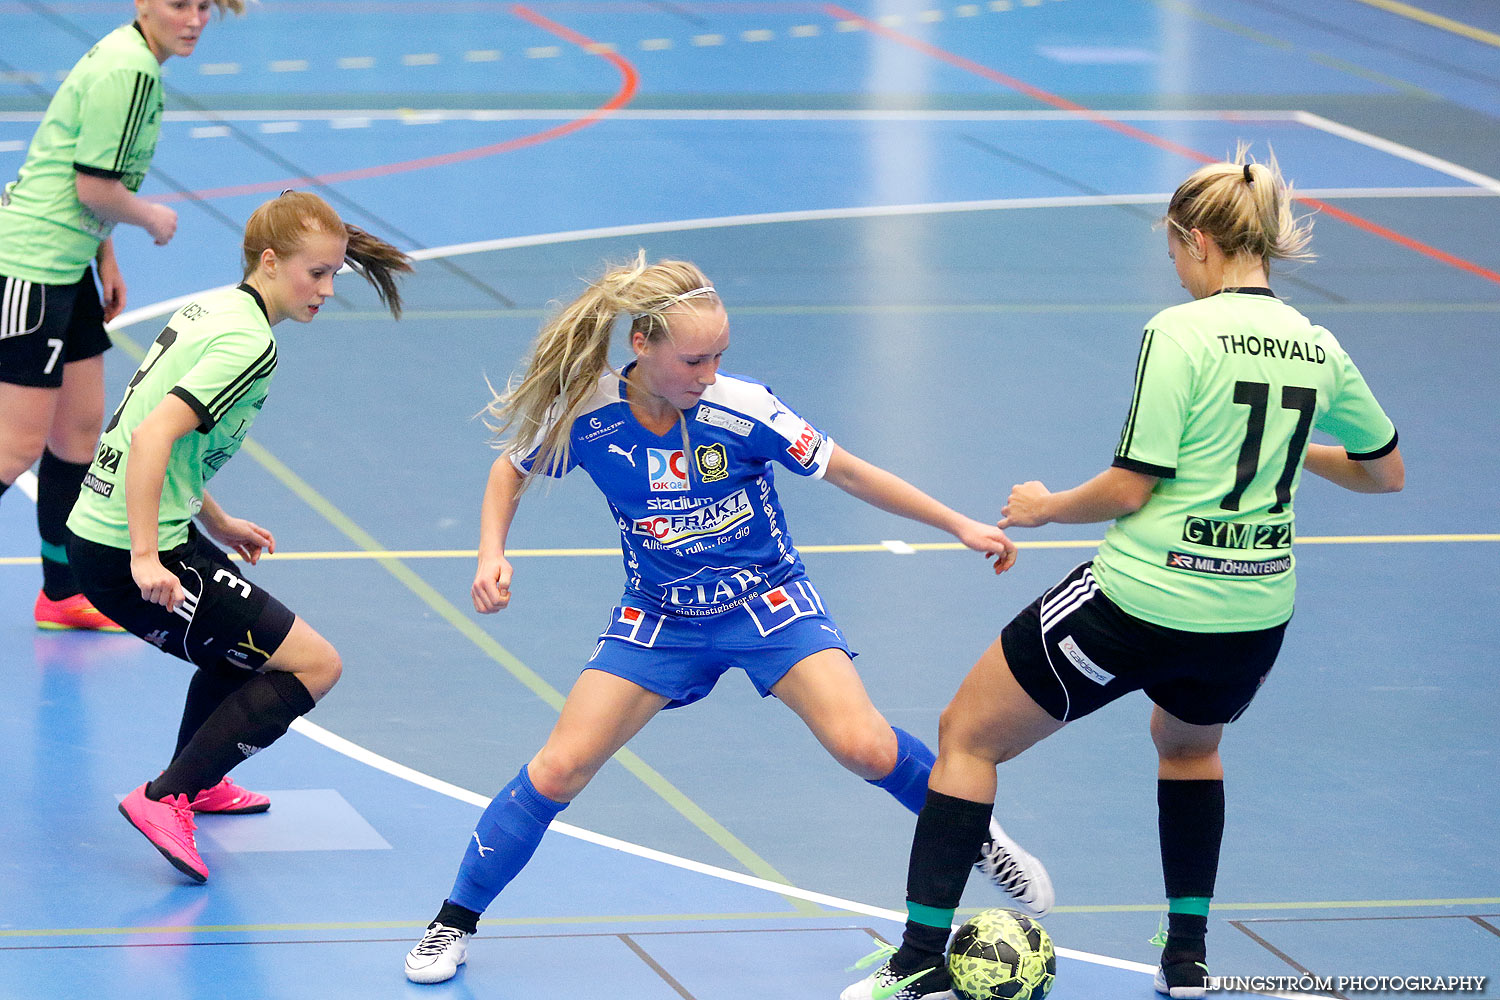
point(358, 753)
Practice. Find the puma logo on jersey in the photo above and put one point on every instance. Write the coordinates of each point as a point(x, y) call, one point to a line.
point(482, 848)
point(629, 455)
point(835, 631)
point(776, 411)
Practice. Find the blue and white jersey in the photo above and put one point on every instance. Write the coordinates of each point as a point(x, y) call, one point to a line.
point(701, 528)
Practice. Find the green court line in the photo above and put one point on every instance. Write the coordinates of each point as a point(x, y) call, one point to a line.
point(386, 925)
point(1324, 904)
point(533, 681)
point(377, 925)
point(949, 308)
point(1436, 21)
point(1332, 62)
point(647, 775)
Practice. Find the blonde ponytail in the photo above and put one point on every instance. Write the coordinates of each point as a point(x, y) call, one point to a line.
point(1245, 207)
point(571, 354)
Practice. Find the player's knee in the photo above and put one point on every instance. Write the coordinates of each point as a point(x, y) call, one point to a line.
point(321, 669)
point(559, 774)
point(19, 451)
point(867, 750)
point(1179, 751)
point(76, 433)
point(956, 730)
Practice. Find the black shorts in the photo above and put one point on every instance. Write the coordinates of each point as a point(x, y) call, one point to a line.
point(224, 620)
point(43, 327)
point(1074, 651)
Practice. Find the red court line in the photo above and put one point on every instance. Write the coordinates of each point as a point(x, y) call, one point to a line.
point(629, 81)
point(1046, 97)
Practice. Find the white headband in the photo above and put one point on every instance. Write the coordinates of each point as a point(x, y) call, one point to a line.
point(674, 300)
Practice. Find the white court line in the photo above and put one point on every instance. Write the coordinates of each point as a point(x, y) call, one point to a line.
point(356, 752)
point(26, 483)
point(700, 115)
point(165, 308)
point(1398, 150)
point(885, 211)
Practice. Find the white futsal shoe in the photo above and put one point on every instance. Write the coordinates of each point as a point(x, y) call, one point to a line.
point(438, 955)
point(1016, 872)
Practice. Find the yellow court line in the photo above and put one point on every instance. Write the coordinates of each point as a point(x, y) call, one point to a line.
point(1067, 543)
point(618, 918)
point(387, 925)
point(1436, 20)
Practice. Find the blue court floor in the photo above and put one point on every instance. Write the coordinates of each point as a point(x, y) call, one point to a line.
point(932, 225)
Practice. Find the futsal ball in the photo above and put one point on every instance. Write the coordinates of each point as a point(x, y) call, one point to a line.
point(1002, 955)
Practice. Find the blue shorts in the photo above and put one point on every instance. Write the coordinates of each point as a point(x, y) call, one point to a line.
point(683, 658)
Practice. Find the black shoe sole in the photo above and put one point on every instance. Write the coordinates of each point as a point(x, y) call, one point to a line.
point(177, 863)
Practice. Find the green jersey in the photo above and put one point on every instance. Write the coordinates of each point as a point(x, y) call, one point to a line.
point(1227, 390)
point(217, 355)
point(102, 121)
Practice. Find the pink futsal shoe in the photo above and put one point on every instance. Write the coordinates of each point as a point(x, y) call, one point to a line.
point(228, 799)
point(70, 613)
point(169, 826)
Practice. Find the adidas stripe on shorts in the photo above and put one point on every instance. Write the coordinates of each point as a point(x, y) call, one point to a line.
point(1073, 650)
point(225, 619)
point(43, 327)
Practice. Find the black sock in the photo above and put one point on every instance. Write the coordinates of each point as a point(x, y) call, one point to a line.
point(3, 488)
point(57, 485)
point(1190, 820)
point(949, 834)
point(461, 917)
point(206, 692)
point(247, 721)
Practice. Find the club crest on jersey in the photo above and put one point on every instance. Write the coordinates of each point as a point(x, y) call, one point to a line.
point(713, 463)
point(667, 469)
point(805, 447)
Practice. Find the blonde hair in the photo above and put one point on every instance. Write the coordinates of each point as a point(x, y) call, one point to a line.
point(230, 6)
point(282, 225)
point(571, 353)
point(1245, 207)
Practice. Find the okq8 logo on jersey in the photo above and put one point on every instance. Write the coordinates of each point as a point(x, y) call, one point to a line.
point(667, 469)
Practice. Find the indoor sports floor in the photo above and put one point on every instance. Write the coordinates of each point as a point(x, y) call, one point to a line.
point(932, 225)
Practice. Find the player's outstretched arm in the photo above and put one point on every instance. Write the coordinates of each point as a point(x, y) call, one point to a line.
point(1113, 493)
point(1386, 474)
point(502, 494)
point(888, 491)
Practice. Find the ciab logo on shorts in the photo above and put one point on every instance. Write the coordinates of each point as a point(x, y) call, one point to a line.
point(667, 470)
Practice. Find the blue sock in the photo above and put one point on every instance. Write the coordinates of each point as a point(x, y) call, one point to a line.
point(505, 839)
point(907, 781)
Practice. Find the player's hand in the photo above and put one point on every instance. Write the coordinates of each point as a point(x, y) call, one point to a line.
point(990, 540)
point(161, 223)
point(491, 590)
point(158, 584)
point(245, 537)
point(1027, 506)
point(111, 289)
